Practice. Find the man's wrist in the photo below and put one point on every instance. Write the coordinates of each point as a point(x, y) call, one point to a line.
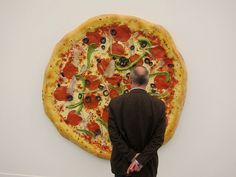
point(136, 161)
point(136, 155)
point(140, 165)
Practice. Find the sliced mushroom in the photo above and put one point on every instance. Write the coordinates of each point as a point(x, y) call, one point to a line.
point(110, 69)
point(71, 86)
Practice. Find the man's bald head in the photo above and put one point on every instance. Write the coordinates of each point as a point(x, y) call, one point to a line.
point(139, 75)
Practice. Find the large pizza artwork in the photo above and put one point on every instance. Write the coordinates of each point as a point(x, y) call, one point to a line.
point(91, 65)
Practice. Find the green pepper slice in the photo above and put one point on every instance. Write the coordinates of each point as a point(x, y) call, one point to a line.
point(74, 105)
point(161, 73)
point(116, 55)
point(131, 64)
point(91, 49)
point(102, 122)
point(145, 40)
point(160, 96)
point(79, 109)
point(119, 89)
point(86, 132)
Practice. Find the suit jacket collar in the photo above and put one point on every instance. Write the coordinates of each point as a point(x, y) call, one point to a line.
point(137, 90)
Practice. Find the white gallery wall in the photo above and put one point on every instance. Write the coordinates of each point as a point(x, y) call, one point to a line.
point(204, 144)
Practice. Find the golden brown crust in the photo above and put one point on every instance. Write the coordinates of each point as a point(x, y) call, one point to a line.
point(51, 75)
point(179, 99)
point(50, 78)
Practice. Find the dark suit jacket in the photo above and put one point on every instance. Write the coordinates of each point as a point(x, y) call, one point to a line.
point(137, 123)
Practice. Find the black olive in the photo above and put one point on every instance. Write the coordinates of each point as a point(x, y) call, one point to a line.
point(126, 91)
point(87, 82)
point(147, 60)
point(103, 47)
point(114, 58)
point(62, 74)
point(153, 91)
point(105, 93)
point(103, 40)
point(132, 47)
point(80, 95)
point(58, 85)
point(143, 43)
point(87, 99)
point(69, 98)
point(123, 63)
point(127, 75)
point(101, 87)
point(98, 60)
point(122, 59)
point(97, 132)
point(118, 84)
point(170, 65)
point(113, 32)
point(86, 40)
point(153, 85)
point(98, 98)
point(150, 63)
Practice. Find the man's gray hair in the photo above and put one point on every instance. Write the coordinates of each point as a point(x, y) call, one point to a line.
point(140, 79)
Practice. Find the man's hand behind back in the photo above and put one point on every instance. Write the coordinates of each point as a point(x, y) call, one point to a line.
point(134, 166)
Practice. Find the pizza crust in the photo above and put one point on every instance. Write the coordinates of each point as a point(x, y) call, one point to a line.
point(181, 87)
point(50, 79)
point(51, 75)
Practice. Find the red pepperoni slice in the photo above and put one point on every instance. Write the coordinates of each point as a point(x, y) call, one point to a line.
point(128, 86)
point(154, 40)
point(105, 114)
point(73, 118)
point(92, 126)
point(61, 93)
point(118, 49)
point(171, 71)
point(115, 79)
point(123, 33)
point(127, 83)
point(160, 82)
point(94, 37)
point(102, 65)
point(69, 70)
point(168, 61)
point(158, 52)
point(114, 93)
point(92, 82)
point(168, 69)
point(134, 57)
point(90, 101)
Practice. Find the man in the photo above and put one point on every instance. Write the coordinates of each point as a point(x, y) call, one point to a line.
point(136, 126)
